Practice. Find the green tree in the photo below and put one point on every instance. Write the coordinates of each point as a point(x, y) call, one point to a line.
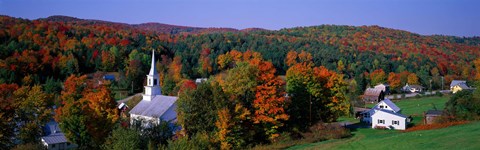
point(197, 109)
point(123, 139)
point(463, 105)
point(34, 110)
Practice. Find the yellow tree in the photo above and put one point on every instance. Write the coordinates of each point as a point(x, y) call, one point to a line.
point(393, 80)
point(412, 79)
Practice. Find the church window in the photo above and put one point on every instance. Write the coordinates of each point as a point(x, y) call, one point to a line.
point(154, 81)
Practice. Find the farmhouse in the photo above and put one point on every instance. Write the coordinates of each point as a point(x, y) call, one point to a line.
point(459, 85)
point(154, 107)
point(373, 95)
point(385, 114)
point(390, 120)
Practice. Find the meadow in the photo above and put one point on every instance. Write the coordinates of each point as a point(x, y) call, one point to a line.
point(454, 137)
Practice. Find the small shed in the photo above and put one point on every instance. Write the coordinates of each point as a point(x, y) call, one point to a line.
point(373, 95)
point(432, 115)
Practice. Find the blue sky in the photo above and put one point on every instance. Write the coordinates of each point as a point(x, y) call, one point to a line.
point(427, 17)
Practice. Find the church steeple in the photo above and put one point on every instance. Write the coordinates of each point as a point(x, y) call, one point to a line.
point(153, 87)
point(153, 69)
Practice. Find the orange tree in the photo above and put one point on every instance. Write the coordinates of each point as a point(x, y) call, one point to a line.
point(316, 93)
point(86, 114)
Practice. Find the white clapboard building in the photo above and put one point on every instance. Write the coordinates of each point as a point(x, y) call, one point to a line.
point(154, 107)
point(385, 115)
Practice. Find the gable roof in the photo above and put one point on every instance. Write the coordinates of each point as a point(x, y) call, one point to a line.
point(389, 112)
point(53, 135)
point(372, 92)
point(434, 112)
point(154, 108)
point(383, 85)
point(55, 138)
point(462, 86)
point(455, 82)
point(389, 103)
point(416, 86)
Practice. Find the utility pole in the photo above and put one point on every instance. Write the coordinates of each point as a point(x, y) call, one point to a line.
point(310, 110)
point(431, 90)
point(442, 83)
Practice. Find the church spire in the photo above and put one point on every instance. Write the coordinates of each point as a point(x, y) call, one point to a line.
point(153, 83)
point(153, 69)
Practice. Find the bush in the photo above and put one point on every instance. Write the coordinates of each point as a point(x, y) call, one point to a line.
point(323, 131)
point(439, 94)
point(29, 146)
point(199, 141)
point(381, 127)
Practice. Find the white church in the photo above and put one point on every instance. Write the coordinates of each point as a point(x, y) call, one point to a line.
point(154, 106)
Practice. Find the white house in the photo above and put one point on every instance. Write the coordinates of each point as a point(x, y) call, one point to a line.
point(154, 106)
point(388, 119)
point(54, 139)
point(385, 114)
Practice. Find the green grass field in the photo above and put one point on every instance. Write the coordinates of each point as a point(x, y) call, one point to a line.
point(416, 106)
point(456, 137)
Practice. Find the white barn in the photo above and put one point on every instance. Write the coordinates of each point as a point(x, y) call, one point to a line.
point(385, 114)
point(154, 106)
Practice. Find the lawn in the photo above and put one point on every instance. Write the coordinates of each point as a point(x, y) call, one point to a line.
point(416, 106)
point(446, 138)
point(455, 137)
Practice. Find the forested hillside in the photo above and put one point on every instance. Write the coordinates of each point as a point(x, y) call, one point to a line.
point(59, 46)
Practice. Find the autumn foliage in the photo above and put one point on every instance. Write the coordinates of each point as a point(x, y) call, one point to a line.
point(87, 114)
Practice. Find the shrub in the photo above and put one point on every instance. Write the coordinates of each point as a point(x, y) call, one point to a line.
point(199, 141)
point(323, 131)
point(439, 94)
point(434, 126)
point(381, 127)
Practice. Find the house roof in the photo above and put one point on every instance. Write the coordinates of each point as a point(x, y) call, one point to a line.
point(200, 80)
point(155, 107)
point(53, 135)
point(122, 105)
point(434, 112)
point(372, 92)
point(389, 103)
point(455, 82)
point(416, 86)
point(463, 86)
point(389, 112)
point(55, 138)
point(109, 77)
point(383, 84)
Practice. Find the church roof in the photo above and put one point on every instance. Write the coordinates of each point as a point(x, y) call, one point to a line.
point(154, 108)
